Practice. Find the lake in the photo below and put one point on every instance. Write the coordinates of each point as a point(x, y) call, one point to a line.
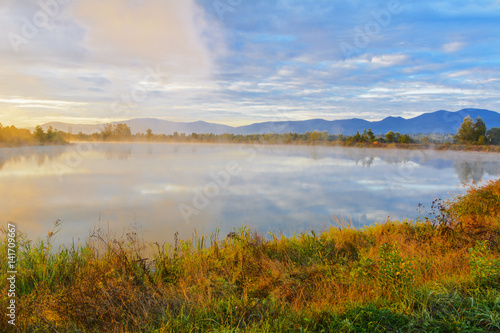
point(160, 189)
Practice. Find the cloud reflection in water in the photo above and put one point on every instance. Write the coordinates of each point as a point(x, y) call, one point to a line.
point(285, 188)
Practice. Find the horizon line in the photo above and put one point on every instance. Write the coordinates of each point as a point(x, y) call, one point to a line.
point(248, 124)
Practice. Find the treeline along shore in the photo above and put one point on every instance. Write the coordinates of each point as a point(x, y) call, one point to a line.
point(438, 273)
point(471, 136)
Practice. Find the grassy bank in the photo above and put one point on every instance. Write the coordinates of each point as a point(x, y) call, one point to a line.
point(438, 274)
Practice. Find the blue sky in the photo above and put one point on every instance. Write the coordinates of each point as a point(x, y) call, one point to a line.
point(239, 61)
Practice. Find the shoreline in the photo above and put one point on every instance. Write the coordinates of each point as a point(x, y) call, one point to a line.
point(387, 146)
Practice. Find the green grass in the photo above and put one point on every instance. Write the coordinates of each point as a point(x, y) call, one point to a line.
point(441, 274)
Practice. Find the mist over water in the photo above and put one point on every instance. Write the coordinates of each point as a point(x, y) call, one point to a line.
point(160, 189)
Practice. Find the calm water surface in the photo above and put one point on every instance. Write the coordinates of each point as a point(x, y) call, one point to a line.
point(160, 189)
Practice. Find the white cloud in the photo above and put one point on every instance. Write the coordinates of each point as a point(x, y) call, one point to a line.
point(460, 73)
point(23, 101)
point(453, 47)
point(388, 60)
point(436, 90)
point(154, 32)
point(374, 96)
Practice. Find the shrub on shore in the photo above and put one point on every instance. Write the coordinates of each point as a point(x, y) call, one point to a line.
point(10, 136)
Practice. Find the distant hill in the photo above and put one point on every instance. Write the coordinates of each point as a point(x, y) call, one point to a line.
point(139, 125)
point(169, 127)
point(435, 122)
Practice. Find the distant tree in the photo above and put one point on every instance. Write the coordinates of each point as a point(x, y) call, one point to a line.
point(493, 136)
point(470, 132)
point(49, 136)
point(426, 139)
point(39, 133)
point(122, 131)
point(318, 136)
point(364, 136)
point(405, 139)
point(107, 132)
point(16, 136)
point(149, 133)
point(371, 136)
point(480, 131)
point(390, 136)
point(465, 133)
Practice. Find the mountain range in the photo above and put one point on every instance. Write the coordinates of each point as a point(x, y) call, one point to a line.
point(434, 122)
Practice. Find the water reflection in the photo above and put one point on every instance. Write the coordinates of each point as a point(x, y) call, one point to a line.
point(117, 152)
point(285, 188)
point(38, 155)
point(467, 170)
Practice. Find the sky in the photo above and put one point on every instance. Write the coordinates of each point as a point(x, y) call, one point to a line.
point(238, 62)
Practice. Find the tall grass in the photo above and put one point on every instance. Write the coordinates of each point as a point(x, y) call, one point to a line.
point(439, 275)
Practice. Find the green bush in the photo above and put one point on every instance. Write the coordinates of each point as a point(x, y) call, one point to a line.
point(484, 271)
point(395, 273)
